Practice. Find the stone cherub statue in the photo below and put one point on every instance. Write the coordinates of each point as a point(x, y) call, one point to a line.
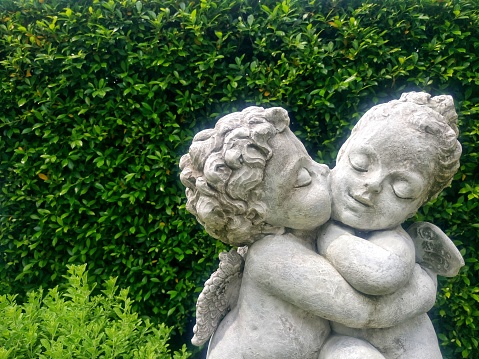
point(399, 156)
point(250, 182)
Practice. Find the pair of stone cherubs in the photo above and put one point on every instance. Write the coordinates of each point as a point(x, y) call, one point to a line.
point(326, 270)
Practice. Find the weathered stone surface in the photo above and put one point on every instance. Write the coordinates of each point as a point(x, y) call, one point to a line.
point(329, 272)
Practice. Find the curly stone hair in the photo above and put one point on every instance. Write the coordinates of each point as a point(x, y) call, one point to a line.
point(223, 172)
point(435, 117)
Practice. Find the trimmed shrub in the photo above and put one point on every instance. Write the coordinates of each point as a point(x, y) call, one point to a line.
point(100, 98)
point(71, 323)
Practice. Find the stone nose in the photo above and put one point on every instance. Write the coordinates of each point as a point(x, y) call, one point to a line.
point(322, 169)
point(373, 183)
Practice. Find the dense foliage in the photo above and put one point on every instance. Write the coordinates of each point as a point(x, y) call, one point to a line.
point(100, 98)
point(71, 323)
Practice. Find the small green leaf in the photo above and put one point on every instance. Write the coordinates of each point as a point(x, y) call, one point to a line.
point(129, 176)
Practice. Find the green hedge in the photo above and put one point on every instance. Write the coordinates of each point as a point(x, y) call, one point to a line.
point(100, 98)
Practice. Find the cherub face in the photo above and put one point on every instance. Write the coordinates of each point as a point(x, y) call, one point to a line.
point(296, 188)
point(382, 178)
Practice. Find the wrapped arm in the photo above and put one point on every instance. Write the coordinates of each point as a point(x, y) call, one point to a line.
point(288, 269)
point(377, 265)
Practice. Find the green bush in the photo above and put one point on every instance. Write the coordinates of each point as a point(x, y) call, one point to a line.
point(100, 98)
point(92, 121)
point(71, 323)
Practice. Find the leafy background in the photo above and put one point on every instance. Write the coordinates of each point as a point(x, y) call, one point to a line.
point(100, 98)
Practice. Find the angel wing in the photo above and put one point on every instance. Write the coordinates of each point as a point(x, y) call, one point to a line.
point(219, 295)
point(435, 250)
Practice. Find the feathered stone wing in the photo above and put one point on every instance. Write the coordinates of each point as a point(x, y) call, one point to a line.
point(219, 295)
point(435, 250)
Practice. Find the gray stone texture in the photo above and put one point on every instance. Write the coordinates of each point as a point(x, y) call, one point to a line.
point(324, 268)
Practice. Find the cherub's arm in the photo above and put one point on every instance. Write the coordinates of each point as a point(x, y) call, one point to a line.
point(378, 265)
point(283, 266)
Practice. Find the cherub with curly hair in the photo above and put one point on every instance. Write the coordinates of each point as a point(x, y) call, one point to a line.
point(251, 182)
point(399, 156)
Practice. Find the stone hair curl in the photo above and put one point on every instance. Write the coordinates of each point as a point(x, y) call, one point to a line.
point(223, 171)
point(435, 116)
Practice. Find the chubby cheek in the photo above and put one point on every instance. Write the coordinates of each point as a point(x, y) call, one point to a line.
point(401, 212)
point(312, 207)
point(341, 182)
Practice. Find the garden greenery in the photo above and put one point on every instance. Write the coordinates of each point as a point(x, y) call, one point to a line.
point(99, 99)
point(71, 323)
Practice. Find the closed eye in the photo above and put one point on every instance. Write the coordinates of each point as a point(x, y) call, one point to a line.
point(407, 189)
point(401, 190)
point(359, 161)
point(304, 178)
